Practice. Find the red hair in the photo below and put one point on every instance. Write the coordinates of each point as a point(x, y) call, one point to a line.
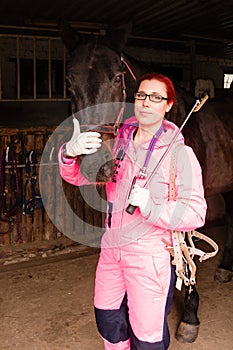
point(171, 94)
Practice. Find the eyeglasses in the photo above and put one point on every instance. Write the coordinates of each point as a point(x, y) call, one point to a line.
point(141, 95)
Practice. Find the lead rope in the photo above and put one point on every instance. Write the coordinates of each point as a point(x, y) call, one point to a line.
point(128, 67)
point(182, 253)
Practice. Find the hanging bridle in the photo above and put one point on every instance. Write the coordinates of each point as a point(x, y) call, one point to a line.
point(183, 249)
point(9, 192)
point(32, 201)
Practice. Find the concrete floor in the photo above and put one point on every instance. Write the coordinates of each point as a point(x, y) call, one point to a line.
point(47, 305)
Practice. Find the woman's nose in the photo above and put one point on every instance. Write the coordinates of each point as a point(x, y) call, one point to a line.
point(146, 102)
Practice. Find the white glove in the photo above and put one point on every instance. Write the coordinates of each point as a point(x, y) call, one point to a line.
point(140, 197)
point(82, 143)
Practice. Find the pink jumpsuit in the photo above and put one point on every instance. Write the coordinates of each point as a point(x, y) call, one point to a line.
point(134, 278)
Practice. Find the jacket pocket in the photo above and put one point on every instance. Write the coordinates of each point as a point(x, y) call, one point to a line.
point(161, 272)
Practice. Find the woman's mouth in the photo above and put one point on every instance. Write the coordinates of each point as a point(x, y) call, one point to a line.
point(145, 112)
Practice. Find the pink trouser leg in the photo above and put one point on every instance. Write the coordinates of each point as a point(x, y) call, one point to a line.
point(122, 345)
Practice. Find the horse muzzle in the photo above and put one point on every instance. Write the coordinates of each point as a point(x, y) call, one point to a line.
point(99, 166)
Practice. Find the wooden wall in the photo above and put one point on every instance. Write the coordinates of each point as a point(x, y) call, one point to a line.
point(41, 224)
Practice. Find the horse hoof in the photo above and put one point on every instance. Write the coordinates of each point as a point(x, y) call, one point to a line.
point(187, 333)
point(223, 276)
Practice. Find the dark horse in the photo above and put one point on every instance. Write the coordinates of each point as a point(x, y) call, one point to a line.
point(95, 75)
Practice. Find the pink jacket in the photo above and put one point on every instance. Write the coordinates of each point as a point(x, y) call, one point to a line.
point(186, 212)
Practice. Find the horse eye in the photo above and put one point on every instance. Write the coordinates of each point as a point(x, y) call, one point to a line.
point(117, 79)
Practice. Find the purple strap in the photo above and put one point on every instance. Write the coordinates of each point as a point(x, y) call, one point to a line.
point(151, 146)
point(142, 173)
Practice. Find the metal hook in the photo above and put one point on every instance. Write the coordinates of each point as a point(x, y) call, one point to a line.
point(7, 154)
point(51, 154)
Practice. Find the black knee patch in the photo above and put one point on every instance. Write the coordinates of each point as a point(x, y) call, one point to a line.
point(135, 344)
point(113, 325)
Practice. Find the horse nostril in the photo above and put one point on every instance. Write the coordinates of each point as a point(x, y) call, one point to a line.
point(107, 157)
point(108, 168)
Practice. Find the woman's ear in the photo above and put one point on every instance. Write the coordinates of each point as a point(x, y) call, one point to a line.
point(169, 106)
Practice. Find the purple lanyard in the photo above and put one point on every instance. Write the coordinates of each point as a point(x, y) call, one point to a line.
point(142, 172)
point(128, 138)
point(121, 152)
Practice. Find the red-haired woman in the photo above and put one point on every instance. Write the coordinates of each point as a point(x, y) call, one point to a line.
point(134, 278)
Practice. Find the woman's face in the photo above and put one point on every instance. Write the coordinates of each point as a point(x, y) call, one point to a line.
point(150, 114)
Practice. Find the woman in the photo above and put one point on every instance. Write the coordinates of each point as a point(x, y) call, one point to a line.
point(134, 277)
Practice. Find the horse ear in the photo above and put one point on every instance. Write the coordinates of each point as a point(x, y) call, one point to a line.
point(67, 34)
point(116, 37)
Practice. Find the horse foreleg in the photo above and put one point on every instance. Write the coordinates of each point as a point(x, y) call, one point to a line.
point(187, 330)
point(224, 272)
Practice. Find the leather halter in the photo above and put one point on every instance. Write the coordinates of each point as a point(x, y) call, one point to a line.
point(119, 117)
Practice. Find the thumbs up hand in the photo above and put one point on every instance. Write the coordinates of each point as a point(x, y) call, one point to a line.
point(82, 143)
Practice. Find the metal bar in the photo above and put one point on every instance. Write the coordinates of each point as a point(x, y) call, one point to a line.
point(2, 26)
point(34, 69)
point(33, 100)
point(49, 69)
point(0, 78)
point(50, 40)
point(37, 165)
point(89, 27)
point(84, 25)
point(137, 37)
point(18, 67)
point(64, 72)
point(29, 36)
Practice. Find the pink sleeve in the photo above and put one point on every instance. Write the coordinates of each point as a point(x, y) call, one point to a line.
point(187, 212)
point(69, 170)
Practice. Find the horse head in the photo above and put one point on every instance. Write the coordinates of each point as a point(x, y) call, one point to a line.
point(95, 79)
